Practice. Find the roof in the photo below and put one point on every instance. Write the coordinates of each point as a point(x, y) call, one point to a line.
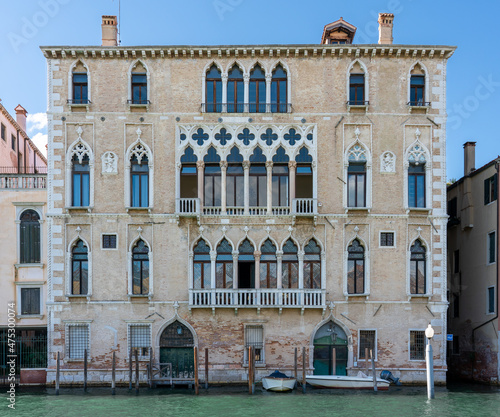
point(473, 173)
point(338, 24)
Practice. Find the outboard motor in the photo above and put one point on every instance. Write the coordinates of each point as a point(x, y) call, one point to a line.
point(388, 376)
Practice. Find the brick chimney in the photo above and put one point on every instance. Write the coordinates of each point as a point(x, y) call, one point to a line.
point(109, 31)
point(385, 23)
point(21, 116)
point(469, 157)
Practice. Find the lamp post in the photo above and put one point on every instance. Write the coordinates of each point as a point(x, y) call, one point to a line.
point(429, 362)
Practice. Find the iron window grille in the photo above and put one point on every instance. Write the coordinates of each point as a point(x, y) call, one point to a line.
point(386, 239)
point(109, 241)
point(139, 339)
point(254, 336)
point(78, 341)
point(417, 345)
point(367, 341)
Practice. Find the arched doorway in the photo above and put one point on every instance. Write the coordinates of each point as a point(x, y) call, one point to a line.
point(327, 337)
point(176, 348)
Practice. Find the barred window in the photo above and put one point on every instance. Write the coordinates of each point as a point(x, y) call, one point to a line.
point(367, 340)
point(386, 238)
point(139, 338)
point(254, 336)
point(109, 241)
point(78, 340)
point(417, 345)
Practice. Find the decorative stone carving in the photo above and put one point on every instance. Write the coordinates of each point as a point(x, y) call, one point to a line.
point(416, 155)
point(109, 163)
point(388, 162)
point(357, 153)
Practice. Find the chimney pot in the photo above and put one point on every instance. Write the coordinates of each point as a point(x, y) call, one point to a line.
point(21, 116)
point(385, 25)
point(109, 31)
point(469, 157)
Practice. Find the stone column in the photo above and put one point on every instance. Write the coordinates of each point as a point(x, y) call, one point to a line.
point(223, 195)
point(257, 255)
point(224, 93)
point(292, 167)
point(300, 256)
point(246, 182)
point(235, 269)
point(269, 169)
point(190, 275)
point(200, 165)
point(178, 169)
point(269, 78)
point(279, 276)
point(246, 92)
point(213, 258)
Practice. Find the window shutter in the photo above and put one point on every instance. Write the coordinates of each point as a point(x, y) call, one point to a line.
point(23, 243)
point(486, 191)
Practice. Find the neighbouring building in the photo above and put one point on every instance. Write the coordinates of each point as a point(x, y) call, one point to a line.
point(473, 275)
point(226, 197)
point(23, 251)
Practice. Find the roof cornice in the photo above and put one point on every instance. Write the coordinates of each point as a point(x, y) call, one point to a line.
point(244, 51)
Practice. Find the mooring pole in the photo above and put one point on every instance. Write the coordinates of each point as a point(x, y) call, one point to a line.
point(250, 369)
point(58, 372)
point(150, 367)
point(429, 362)
point(374, 371)
point(295, 363)
point(206, 368)
point(366, 360)
point(196, 379)
point(113, 375)
point(334, 362)
point(304, 369)
point(130, 359)
point(253, 370)
point(136, 371)
point(85, 370)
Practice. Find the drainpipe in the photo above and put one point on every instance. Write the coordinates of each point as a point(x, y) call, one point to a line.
point(497, 165)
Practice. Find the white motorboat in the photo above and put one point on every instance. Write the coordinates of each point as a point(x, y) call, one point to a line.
point(346, 382)
point(278, 381)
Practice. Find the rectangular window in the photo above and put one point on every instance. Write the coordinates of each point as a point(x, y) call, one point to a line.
point(456, 261)
point(254, 336)
point(30, 301)
point(81, 184)
point(417, 96)
point(109, 241)
point(280, 186)
point(367, 340)
point(4, 137)
point(416, 185)
point(417, 345)
point(78, 340)
point(139, 338)
point(357, 89)
point(490, 189)
point(386, 238)
point(139, 89)
point(356, 185)
point(491, 247)
point(491, 300)
point(13, 142)
point(80, 88)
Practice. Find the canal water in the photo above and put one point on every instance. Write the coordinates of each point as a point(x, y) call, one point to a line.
point(454, 401)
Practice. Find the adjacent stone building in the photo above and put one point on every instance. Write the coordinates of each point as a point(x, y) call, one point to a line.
point(473, 275)
point(224, 197)
point(23, 269)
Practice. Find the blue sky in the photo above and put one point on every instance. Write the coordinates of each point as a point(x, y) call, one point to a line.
point(473, 72)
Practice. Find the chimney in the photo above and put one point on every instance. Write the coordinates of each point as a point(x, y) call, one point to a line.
point(21, 116)
point(109, 31)
point(469, 157)
point(385, 23)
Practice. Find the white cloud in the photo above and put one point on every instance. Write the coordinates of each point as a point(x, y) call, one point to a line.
point(36, 121)
point(40, 140)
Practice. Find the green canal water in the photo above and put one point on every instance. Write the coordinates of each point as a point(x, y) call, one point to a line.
point(459, 401)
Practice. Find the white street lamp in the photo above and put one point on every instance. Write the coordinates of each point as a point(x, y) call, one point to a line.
point(429, 362)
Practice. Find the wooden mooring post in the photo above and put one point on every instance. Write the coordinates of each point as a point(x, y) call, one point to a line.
point(250, 373)
point(366, 361)
point(334, 362)
point(196, 378)
point(58, 374)
point(150, 370)
point(253, 370)
point(295, 364)
point(304, 370)
point(113, 375)
point(374, 372)
point(85, 370)
point(206, 368)
point(136, 371)
point(130, 359)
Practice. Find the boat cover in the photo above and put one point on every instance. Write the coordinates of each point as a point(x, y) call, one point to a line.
point(277, 374)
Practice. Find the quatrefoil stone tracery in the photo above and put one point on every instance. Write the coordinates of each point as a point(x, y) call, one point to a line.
point(139, 152)
point(357, 153)
point(80, 151)
point(417, 155)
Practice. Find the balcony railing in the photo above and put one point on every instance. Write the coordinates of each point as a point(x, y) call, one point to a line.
point(23, 170)
point(246, 108)
point(139, 102)
point(21, 181)
point(304, 206)
point(358, 103)
point(419, 103)
point(257, 298)
point(78, 101)
point(188, 206)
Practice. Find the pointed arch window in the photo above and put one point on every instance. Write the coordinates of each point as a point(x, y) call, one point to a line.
point(202, 266)
point(257, 90)
point(268, 265)
point(356, 177)
point(30, 237)
point(235, 90)
point(356, 268)
point(258, 179)
point(235, 183)
point(140, 268)
point(290, 265)
point(81, 180)
point(279, 93)
point(417, 268)
point(213, 82)
point(189, 174)
point(280, 179)
point(304, 174)
point(79, 269)
point(80, 88)
point(312, 265)
point(139, 181)
point(417, 86)
point(357, 86)
point(139, 88)
point(224, 265)
point(212, 192)
point(416, 177)
point(246, 265)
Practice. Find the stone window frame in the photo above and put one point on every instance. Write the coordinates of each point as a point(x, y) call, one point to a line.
point(262, 362)
point(427, 97)
point(70, 80)
point(428, 269)
point(488, 247)
point(368, 176)
point(139, 323)
point(29, 284)
point(367, 81)
point(69, 268)
point(409, 344)
point(130, 274)
point(428, 178)
point(79, 323)
point(394, 239)
point(375, 347)
point(130, 71)
point(367, 264)
point(127, 175)
point(21, 207)
point(488, 312)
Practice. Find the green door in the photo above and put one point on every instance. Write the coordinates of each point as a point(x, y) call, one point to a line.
point(177, 349)
point(327, 338)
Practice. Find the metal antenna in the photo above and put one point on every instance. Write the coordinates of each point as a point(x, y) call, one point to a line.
point(119, 22)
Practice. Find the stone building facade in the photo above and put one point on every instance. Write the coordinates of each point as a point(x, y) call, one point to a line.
point(473, 275)
point(278, 197)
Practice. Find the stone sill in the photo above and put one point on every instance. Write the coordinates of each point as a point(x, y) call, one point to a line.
point(30, 316)
point(40, 265)
point(139, 209)
point(82, 208)
point(79, 107)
